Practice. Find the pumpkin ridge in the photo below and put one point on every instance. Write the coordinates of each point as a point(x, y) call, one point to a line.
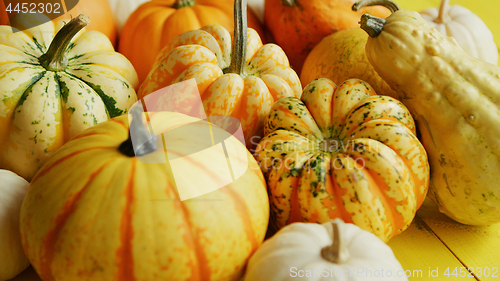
point(378, 194)
point(109, 102)
point(53, 235)
point(39, 46)
point(242, 210)
point(125, 254)
point(193, 241)
point(117, 122)
point(26, 92)
point(390, 214)
point(385, 187)
point(41, 173)
point(346, 216)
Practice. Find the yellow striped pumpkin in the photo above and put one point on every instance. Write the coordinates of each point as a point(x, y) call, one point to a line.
point(241, 80)
point(55, 82)
point(343, 152)
point(93, 212)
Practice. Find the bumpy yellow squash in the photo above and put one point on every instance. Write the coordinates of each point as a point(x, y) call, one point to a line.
point(343, 153)
point(455, 100)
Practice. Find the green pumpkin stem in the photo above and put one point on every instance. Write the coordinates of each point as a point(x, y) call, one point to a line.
point(239, 47)
point(183, 3)
point(146, 142)
point(372, 25)
point(337, 252)
point(392, 6)
point(54, 59)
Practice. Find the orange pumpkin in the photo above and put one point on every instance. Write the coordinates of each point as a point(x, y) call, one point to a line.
point(154, 24)
point(99, 12)
point(242, 80)
point(298, 25)
point(95, 212)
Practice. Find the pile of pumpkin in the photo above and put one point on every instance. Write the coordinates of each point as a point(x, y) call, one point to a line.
point(337, 161)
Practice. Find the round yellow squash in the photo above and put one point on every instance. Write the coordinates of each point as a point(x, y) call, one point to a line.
point(341, 56)
point(94, 212)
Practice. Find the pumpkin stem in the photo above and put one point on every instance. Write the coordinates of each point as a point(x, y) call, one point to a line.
point(443, 16)
point(54, 59)
point(289, 3)
point(337, 252)
point(239, 47)
point(372, 25)
point(392, 6)
point(183, 3)
point(145, 142)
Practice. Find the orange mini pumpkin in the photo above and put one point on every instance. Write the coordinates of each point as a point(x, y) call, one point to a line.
point(155, 23)
point(241, 80)
point(298, 25)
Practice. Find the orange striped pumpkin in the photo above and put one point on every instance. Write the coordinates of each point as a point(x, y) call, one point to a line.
point(241, 79)
point(94, 213)
point(343, 152)
point(155, 23)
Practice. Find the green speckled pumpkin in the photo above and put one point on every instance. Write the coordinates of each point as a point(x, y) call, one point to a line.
point(343, 152)
point(52, 87)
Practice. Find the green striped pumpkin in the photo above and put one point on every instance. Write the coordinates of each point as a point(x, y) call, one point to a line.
point(52, 87)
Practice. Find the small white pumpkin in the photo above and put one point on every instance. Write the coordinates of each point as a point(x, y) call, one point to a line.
point(467, 28)
point(329, 251)
point(13, 261)
point(122, 9)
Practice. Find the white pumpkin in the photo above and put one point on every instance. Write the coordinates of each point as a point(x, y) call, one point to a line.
point(329, 251)
point(467, 28)
point(122, 9)
point(12, 258)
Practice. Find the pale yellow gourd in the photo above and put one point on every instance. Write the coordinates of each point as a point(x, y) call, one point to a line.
point(455, 100)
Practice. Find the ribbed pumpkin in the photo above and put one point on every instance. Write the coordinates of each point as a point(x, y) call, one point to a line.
point(343, 152)
point(242, 82)
point(99, 11)
point(341, 56)
point(55, 86)
point(155, 23)
point(96, 212)
point(298, 25)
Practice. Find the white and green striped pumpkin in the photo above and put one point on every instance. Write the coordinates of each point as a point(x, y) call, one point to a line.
point(52, 87)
